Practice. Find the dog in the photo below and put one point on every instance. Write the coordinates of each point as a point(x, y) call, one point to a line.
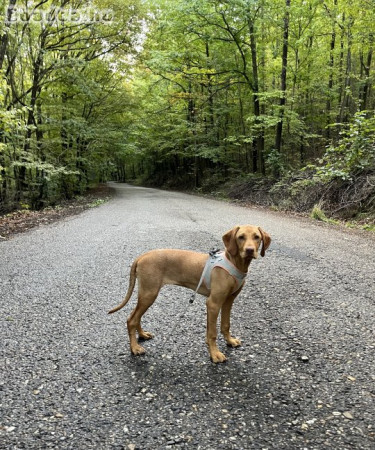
point(221, 283)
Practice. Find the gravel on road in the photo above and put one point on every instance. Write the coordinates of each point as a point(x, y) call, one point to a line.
point(304, 377)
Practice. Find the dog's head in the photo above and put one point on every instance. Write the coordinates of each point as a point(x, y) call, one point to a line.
point(245, 241)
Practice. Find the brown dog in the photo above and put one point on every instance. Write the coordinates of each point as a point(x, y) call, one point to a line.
point(184, 268)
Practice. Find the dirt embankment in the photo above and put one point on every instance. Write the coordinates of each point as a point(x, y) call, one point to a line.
point(342, 200)
point(24, 220)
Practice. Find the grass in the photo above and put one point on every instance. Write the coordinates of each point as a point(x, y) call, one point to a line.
point(318, 214)
point(98, 202)
point(369, 227)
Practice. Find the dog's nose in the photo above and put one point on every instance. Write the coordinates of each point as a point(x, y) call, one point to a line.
point(250, 251)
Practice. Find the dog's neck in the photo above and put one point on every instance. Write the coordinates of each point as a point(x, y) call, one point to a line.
point(241, 264)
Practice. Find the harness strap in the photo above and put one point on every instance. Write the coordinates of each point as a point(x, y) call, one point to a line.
point(218, 259)
point(205, 270)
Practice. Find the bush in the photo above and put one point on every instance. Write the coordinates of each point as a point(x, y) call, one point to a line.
point(355, 151)
point(342, 183)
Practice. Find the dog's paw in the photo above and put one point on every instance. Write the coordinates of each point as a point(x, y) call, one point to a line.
point(145, 335)
point(218, 357)
point(138, 350)
point(233, 342)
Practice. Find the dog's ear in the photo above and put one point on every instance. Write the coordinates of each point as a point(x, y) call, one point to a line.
point(266, 241)
point(230, 242)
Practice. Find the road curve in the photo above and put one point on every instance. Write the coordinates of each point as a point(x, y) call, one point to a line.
point(304, 377)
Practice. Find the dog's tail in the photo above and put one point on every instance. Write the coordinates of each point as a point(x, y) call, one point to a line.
point(133, 277)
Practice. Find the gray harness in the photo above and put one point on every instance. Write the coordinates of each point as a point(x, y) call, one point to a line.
point(218, 259)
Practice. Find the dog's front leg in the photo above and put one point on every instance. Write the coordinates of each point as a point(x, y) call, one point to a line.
point(225, 322)
point(213, 308)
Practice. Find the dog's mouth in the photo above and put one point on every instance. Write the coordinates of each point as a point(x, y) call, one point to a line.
point(249, 255)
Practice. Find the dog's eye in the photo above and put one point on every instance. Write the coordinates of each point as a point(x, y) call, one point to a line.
point(241, 238)
point(257, 238)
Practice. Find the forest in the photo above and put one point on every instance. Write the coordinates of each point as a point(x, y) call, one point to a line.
point(266, 101)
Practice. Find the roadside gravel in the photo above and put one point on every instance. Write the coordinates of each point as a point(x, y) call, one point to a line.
point(304, 377)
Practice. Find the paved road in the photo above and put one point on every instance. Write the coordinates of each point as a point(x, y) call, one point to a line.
point(303, 379)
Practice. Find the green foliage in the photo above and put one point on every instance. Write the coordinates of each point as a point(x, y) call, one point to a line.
point(184, 93)
point(355, 150)
point(275, 163)
point(202, 106)
point(63, 88)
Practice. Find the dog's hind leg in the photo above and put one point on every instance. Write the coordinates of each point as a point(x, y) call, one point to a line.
point(145, 300)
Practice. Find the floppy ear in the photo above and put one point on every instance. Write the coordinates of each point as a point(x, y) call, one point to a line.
point(266, 241)
point(230, 242)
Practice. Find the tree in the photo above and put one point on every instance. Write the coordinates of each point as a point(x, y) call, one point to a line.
point(63, 66)
point(177, 92)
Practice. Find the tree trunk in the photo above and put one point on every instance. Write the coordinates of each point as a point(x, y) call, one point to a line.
point(341, 64)
point(39, 131)
point(330, 82)
point(279, 128)
point(35, 92)
point(5, 36)
point(243, 127)
point(366, 72)
point(258, 142)
point(211, 120)
point(63, 132)
point(345, 103)
point(263, 71)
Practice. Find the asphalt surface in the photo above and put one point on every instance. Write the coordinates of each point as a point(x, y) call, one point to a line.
point(303, 379)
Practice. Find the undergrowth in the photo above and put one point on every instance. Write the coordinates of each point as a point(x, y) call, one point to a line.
point(352, 201)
